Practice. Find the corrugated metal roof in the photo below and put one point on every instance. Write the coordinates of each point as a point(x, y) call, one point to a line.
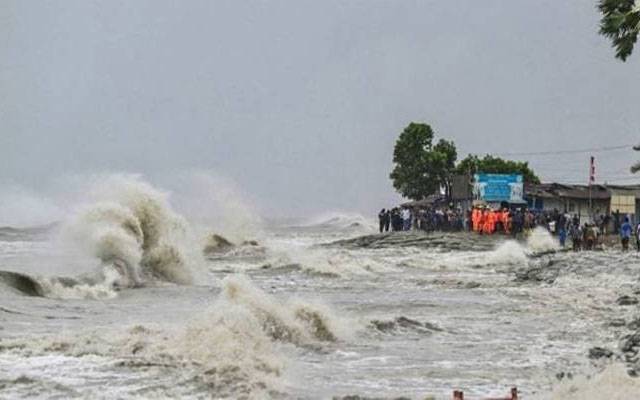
point(598, 192)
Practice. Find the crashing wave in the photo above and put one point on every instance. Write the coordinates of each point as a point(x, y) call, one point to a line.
point(234, 350)
point(296, 322)
point(132, 230)
point(541, 241)
point(97, 287)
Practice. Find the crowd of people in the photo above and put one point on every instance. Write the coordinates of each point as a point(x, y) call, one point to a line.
point(488, 221)
point(430, 219)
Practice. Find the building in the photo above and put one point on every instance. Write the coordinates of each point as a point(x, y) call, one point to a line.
point(584, 200)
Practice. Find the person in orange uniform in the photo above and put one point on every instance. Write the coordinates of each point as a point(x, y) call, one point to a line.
point(482, 217)
point(487, 217)
point(493, 220)
point(475, 218)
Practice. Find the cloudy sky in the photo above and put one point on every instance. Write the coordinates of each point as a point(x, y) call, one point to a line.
point(299, 102)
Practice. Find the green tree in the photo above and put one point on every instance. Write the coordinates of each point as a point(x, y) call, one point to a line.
point(420, 168)
point(496, 165)
point(620, 22)
point(444, 163)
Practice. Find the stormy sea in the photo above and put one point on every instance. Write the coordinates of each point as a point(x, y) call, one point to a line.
point(129, 296)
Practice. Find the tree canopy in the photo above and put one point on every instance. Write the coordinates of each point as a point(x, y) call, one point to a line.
point(421, 168)
point(620, 22)
point(496, 165)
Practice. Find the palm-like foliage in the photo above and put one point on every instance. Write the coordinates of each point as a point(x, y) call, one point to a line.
point(620, 22)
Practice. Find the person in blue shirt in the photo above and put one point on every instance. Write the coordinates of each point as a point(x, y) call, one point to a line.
point(625, 233)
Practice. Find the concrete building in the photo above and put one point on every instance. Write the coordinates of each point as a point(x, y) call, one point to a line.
point(584, 200)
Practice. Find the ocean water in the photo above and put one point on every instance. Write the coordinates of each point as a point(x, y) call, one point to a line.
point(129, 298)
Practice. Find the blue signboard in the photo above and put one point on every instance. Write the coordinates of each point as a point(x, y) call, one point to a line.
point(498, 187)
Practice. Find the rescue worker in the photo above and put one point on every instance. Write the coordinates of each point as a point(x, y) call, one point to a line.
point(482, 215)
point(489, 222)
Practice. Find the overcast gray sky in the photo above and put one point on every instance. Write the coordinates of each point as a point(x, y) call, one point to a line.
point(300, 102)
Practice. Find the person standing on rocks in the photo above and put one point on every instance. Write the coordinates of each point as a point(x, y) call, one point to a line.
point(406, 219)
point(625, 233)
point(589, 236)
point(382, 215)
point(387, 220)
point(638, 236)
point(575, 232)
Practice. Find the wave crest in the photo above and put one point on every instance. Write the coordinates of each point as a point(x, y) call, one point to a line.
point(133, 230)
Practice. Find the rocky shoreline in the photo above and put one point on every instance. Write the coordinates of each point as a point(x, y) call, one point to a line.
point(627, 332)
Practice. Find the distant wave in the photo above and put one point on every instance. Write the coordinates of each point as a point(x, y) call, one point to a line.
point(13, 234)
point(340, 220)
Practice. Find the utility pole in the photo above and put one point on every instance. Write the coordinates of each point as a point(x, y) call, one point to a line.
point(592, 178)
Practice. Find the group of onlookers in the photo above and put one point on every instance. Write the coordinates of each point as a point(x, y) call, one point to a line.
point(424, 219)
point(485, 220)
point(591, 234)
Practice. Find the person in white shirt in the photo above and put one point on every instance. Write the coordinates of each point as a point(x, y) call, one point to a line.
point(406, 219)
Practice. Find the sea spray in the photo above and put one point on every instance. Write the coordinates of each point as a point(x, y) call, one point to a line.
point(613, 383)
point(509, 252)
point(133, 229)
point(213, 203)
point(540, 240)
point(296, 322)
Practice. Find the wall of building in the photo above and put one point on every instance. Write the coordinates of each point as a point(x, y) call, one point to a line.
point(575, 206)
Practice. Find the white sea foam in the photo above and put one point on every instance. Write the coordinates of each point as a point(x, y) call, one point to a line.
point(236, 348)
point(540, 240)
point(128, 225)
point(508, 253)
point(611, 384)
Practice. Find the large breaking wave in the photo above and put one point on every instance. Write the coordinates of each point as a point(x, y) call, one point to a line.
point(133, 230)
point(236, 348)
point(123, 234)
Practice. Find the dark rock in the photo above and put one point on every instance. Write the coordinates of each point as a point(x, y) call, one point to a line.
point(537, 274)
point(561, 375)
point(383, 326)
point(441, 240)
point(407, 322)
point(599, 352)
point(634, 325)
point(627, 300)
point(217, 244)
point(630, 343)
point(432, 327)
point(618, 322)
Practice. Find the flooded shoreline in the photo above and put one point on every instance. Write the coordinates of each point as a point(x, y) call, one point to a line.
point(327, 313)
